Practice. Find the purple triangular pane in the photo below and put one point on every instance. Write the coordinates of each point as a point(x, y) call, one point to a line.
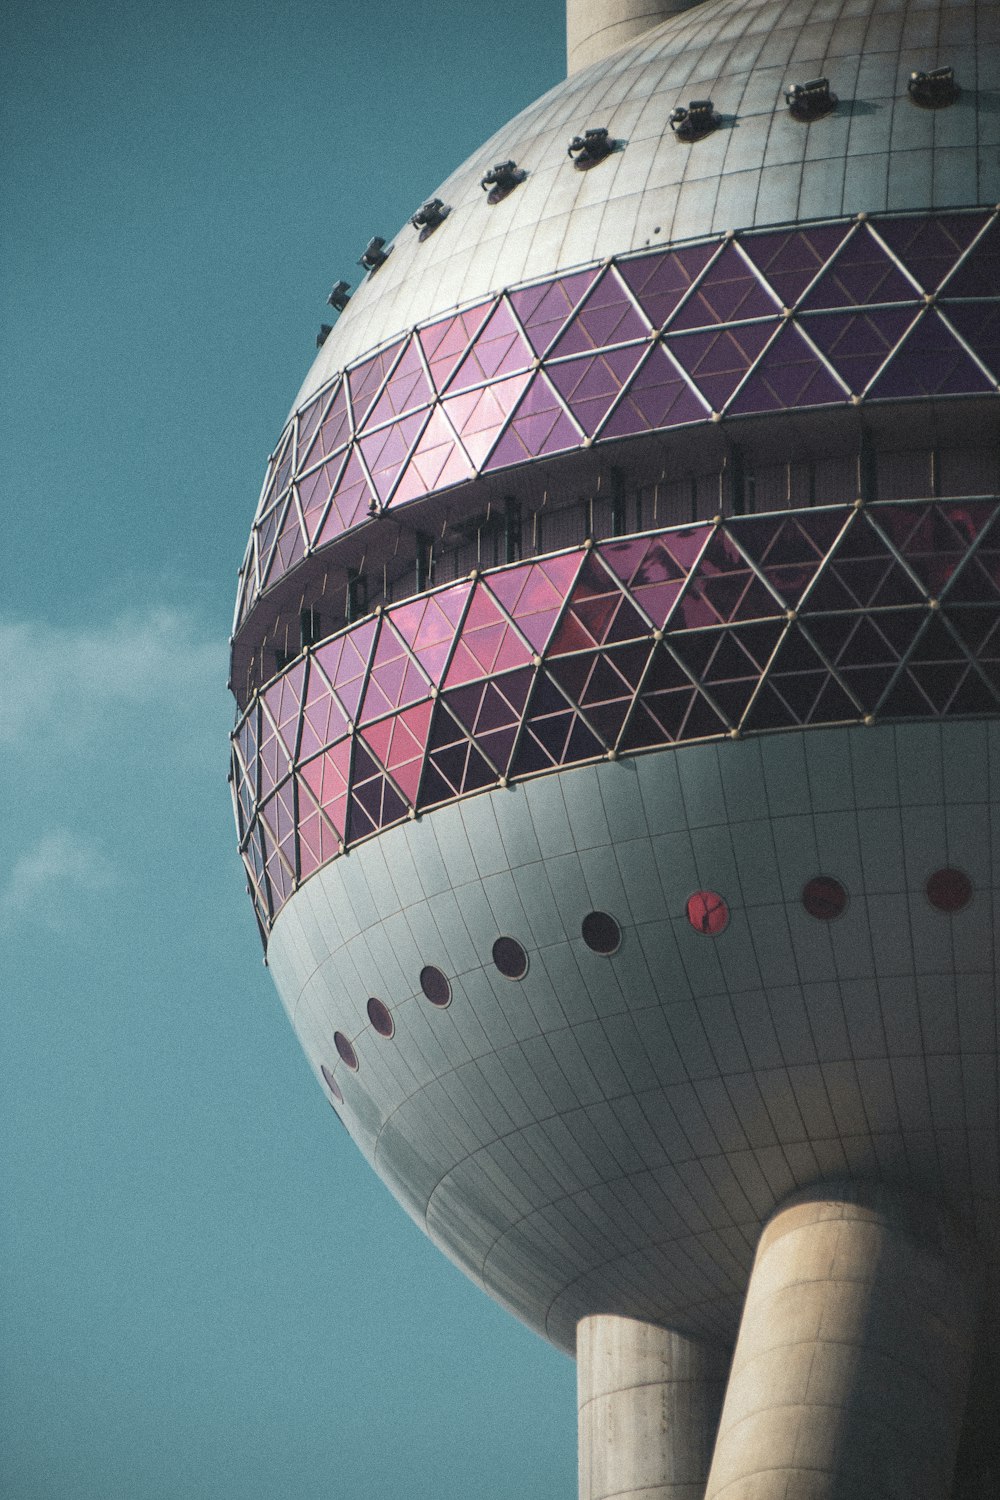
point(728, 291)
point(861, 273)
point(660, 281)
point(979, 273)
point(929, 247)
point(543, 309)
point(406, 388)
point(658, 396)
point(606, 317)
point(386, 451)
point(857, 343)
point(539, 425)
point(790, 259)
point(366, 378)
point(589, 385)
point(979, 325)
point(499, 349)
point(931, 362)
point(718, 360)
point(789, 375)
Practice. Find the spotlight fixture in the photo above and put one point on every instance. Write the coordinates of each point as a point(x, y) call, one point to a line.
point(340, 295)
point(933, 90)
point(374, 254)
point(501, 180)
point(811, 100)
point(325, 330)
point(590, 148)
point(698, 120)
point(428, 216)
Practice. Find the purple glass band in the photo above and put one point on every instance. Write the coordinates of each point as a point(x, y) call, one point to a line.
point(762, 321)
point(751, 624)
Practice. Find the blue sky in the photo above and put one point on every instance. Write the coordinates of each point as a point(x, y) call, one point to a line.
point(205, 1292)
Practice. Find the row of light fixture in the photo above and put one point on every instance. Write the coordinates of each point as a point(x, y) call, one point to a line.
point(806, 102)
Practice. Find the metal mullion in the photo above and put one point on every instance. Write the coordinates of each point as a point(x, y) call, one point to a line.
point(872, 230)
point(493, 304)
point(394, 714)
point(622, 587)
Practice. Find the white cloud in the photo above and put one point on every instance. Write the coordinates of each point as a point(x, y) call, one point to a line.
point(46, 881)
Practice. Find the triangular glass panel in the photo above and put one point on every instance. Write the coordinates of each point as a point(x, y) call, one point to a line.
point(790, 259)
point(350, 502)
point(344, 661)
point(437, 462)
point(979, 325)
point(659, 281)
point(608, 316)
point(365, 380)
point(291, 544)
point(930, 362)
point(857, 343)
point(833, 706)
point(429, 625)
point(861, 273)
point(539, 426)
point(723, 588)
point(977, 275)
point(597, 612)
point(308, 421)
point(445, 343)
point(323, 719)
point(729, 291)
point(718, 360)
point(590, 385)
point(488, 642)
point(267, 536)
point(399, 742)
point(769, 711)
point(657, 396)
point(479, 416)
point(386, 451)
point(974, 696)
point(500, 349)
point(934, 538)
point(544, 309)
point(282, 701)
point(327, 778)
point(318, 839)
point(553, 732)
point(788, 375)
point(406, 388)
point(654, 571)
point(374, 801)
point(334, 432)
point(315, 490)
point(789, 551)
point(534, 594)
point(395, 680)
point(929, 246)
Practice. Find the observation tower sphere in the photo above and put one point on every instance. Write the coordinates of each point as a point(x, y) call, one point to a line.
point(617, 666)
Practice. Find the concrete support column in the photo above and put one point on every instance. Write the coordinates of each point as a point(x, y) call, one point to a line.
point(649, 1404)
point(594, 28)
point(852, 1364)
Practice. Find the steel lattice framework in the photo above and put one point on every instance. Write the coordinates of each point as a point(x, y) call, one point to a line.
point(850, 311)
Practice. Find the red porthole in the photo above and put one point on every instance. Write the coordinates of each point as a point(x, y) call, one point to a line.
point(707, 913)
point(331, 1083)
point(346, 1051)
point(949, 890)
point(435, 986)
point(380, 1017)
point(824, 898)
point(510, 958)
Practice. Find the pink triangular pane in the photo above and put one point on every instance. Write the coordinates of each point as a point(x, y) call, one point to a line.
point(387, 450)
point(323, 719)
point(291, 544)
point(429, 627)
point(718, 360)
point(269, 534)
point(317, 838)
point(479, 416)
point(499, 350)
point(862, 273)
point(365, 379)
point(857, 343)
point(660, 281)
point(347, 673)
point(444, 343)
point(543, 309)
point(790, 259)
point(788, 375)
point(540, 425)
point(608, 316)
point(728, 291)
point(929, 246)
point(351, 501)
point(315, 491)
point(283, 699)
point(590, 385)
point(657, 396)
point(333, 433)
point(308, 420)
point(406, 388)
point(326, 777)
point(437, 461)
point(930, 362)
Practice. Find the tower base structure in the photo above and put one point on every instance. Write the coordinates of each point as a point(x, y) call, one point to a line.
point(850, 1374)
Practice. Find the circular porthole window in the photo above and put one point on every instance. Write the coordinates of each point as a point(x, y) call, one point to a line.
point(347, 1052)
point(601, 933)
point(435, 986)
point(824, 898)
point(380, 1017)
point(331, 1083)
point(510, 958)
point(949, 890)
point(708, 913)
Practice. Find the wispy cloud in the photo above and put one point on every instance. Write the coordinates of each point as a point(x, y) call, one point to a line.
point(47, 880)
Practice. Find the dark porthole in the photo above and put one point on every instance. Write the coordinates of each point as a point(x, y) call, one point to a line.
point(331, 1083)
point(824, 898)
point(708, 913)
point(345, 1049)
point(435, 986)
point(949, 890)
point(510, 958)
point(380, 1017)
point(601, 933)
